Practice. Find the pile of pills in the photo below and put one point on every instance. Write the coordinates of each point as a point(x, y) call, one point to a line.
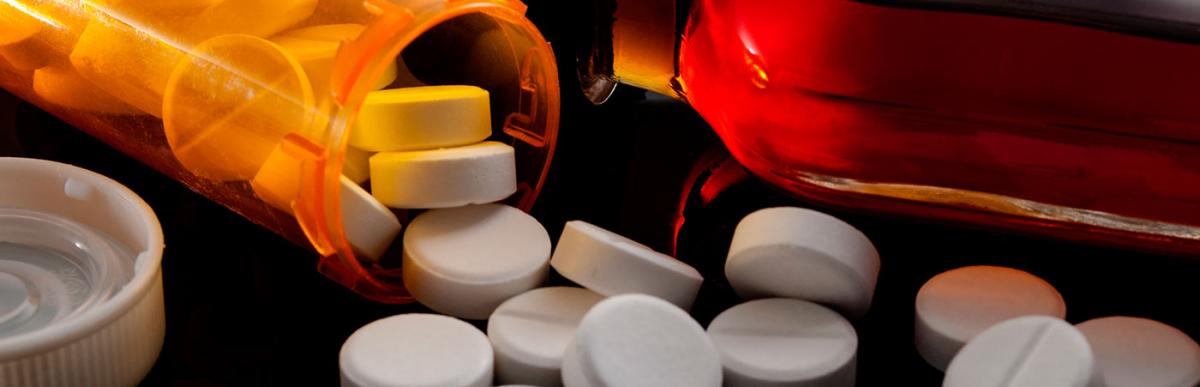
point(805, 277)
point(995, 326)
point(628, 324)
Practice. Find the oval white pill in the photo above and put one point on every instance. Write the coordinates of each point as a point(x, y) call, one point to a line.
point(1030, 351)
point(637, 340)
point(785, 342)
point(422, 350)
point(423, 117)
point(465, 261)
point(1138, 352)
point(369, 226)
point(611, 264)
point(530, 333)
point(803, 254)
point(954, 306)
point(451, 177)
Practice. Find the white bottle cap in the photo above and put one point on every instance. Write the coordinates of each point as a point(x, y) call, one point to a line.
point(80, 286)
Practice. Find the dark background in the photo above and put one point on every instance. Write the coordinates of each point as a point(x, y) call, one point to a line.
point(246, 307)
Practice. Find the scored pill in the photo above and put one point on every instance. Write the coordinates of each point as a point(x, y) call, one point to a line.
point(416, 350)
point(803, 254)
point(424, 117)
point(1138, 352)
point(954, 306)
point(785, 342)
point(610, 264)
point(1030, 351)
point(466, 261)
point(474, 174)
point(635, 340)
point(530, 333)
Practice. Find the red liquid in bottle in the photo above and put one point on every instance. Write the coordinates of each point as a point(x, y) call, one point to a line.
point(963, 110)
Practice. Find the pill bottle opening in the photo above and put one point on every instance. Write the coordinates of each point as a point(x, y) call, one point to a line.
point(75, 249)
point(483, 43)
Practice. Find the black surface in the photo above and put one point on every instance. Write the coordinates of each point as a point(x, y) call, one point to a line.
point(245, 307)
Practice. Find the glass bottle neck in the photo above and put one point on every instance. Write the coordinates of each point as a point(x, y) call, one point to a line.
point(634, 42)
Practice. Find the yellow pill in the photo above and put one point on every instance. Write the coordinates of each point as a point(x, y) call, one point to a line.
point(17, 23)
point(64, 87)
point(356, 165)
point(261, 18)
point(229, 103)
point(130, 65)
point(424, 117)
point(316, 47)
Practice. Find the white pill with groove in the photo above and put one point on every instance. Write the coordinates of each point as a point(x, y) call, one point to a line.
point(1138, 352)
point(481, 173)
point(466, 261)
point(417, 350)
point(785, 342)
point(954, 306)
point(611, 264)
point(804, 254)
point(530, 333)
point(1029, 351)
point(636, 340)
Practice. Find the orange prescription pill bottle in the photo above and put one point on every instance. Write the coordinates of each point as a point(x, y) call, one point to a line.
point(206, 91)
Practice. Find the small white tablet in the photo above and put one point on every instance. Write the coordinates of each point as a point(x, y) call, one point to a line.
point(803, 254)
point(1138, 352)
point(954, 306)
point(636, 340)
point(611, 264)
point(530, 333)
point(465, 261)
point(482, 173)
point(417, 350)
point(785, 342)
point(1030, 351)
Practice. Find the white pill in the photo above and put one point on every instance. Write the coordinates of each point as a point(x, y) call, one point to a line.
point(954, 306)
point(369, 226)
point(530, 333)
point(465, 261)
point(1029, 351)
point(1138, 352)
point(611, 264)
point(417, 350)
point(637, 340)
point(785, 342)
point(482, 173)
point(803, 254)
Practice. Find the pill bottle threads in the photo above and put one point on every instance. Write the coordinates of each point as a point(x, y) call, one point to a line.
point(173, 85)
point(863, 121)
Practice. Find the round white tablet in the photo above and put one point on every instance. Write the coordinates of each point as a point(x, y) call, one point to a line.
point(785, 342)
point(954, 306)
point(636, 340)
point(1030, 351)
point(369, 226)
point(482, 173)
point(611, 264)
point(1138, 352)
point(530, 333)
point(465, 261)
point(803, 254)
point(422, 350)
